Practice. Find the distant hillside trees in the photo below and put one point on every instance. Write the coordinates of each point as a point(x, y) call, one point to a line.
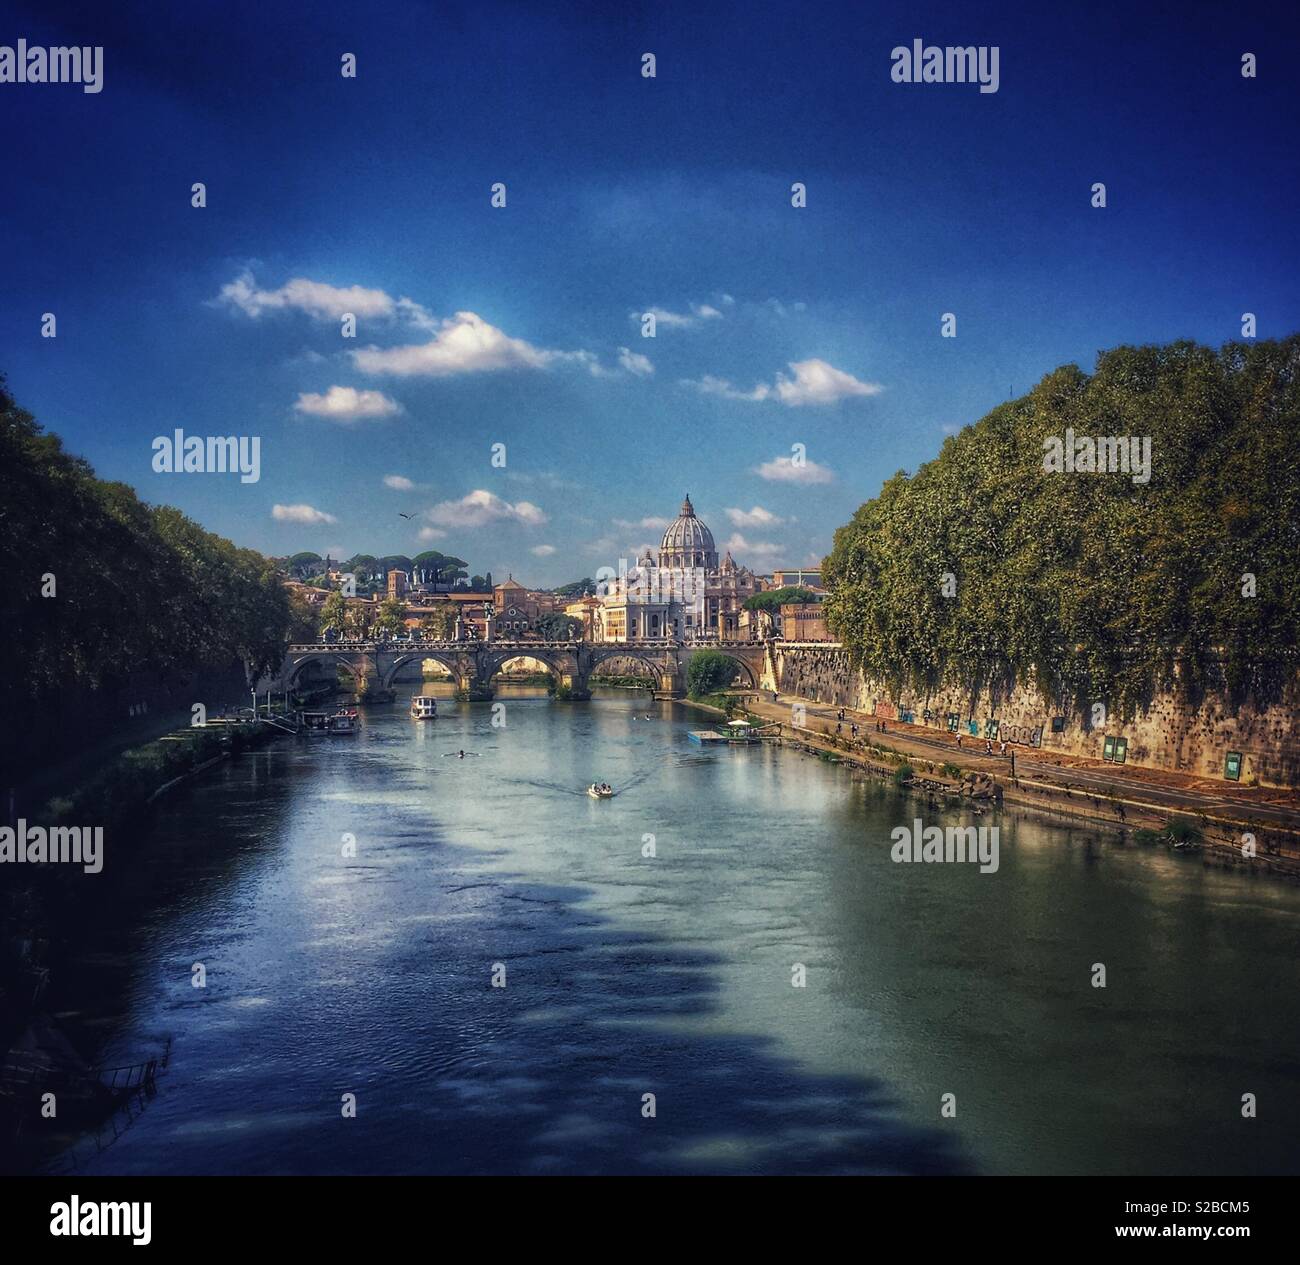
point(981, 569)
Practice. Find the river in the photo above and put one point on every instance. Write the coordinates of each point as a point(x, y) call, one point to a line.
point(627, 975)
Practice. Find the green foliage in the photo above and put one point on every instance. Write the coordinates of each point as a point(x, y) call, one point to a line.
point(391, 619)
point(952, 770)
point(440, 623)
point(773, 599)
point(576, 589)
point(559, 627)
point(1090, 585)
point(1181, 830)
point(708, 672)
point(138, 588)
point(334, 614)
point(902, 775)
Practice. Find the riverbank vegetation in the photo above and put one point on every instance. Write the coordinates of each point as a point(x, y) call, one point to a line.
point(709, 672)
point(101, 586)
point(984, 570)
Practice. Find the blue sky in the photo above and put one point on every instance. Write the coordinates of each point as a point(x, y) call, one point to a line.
point(478, 325)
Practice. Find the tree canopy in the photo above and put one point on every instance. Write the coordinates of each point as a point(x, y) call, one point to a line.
point(101, 584)
point(983, 570)
point(773, 599)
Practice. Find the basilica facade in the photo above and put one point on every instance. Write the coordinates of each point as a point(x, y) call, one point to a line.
point(683, 594)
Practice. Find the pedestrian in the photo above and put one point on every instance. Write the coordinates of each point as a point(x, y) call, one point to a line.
point(959, 742)
point(1013, 764)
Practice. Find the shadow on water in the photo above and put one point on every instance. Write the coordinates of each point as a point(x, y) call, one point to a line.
point(451, 1075)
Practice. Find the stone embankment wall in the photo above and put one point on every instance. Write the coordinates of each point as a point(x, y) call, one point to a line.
point(1171, 734)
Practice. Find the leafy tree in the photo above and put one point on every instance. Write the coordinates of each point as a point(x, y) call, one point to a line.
point(440, 622)
point(363, 565)
point(427, 565)
point(559, 627)
point(576, 589)
point(334, 615)
point(771, 600)
point(391, 617)
point(983, 570)
point(135, 588)
point(708, 672)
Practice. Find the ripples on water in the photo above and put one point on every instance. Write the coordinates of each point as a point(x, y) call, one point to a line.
point(669, 976)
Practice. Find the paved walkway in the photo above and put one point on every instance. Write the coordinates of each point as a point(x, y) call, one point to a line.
point(1170, 791)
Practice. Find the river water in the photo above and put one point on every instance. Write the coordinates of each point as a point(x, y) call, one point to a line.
point(627, 975)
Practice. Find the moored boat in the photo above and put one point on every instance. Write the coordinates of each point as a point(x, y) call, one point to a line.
point(343, 722)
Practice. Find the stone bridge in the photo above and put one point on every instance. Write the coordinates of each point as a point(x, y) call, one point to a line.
point(474, 664)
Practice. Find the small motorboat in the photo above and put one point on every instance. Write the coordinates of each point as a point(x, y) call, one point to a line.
point(424, 707)
point(343, 723)
point(600, 790)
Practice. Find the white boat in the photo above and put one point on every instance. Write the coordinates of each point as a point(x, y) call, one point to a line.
point(600, 792)
point(424, 707)
point(343, 722)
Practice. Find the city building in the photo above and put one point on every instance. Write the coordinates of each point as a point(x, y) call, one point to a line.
point(804, 621)
point(683, 594)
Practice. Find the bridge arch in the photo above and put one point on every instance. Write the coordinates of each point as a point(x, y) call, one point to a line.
point(745, 668)
point(448, 661)
point(337, 657)
point(657, 665)
point(559, 664)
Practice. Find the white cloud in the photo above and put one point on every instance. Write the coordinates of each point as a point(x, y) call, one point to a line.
point(756, 517)
point(710, 385)
point(784, 470)
point(635, 363)
point(399, 483)
point(301, 514)
point(319, 300)
point(481, 507)
point(347, 404)
point(542, 551)
point(650, 523)
point(814, 382)
point(464, 343)
point(753, 548)
point(679, 320)
point(432, 533)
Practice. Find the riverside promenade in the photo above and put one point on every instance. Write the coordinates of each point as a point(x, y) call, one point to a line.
point(1111, 796)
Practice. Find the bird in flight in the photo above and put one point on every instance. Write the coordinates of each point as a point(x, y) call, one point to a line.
point(401, 515)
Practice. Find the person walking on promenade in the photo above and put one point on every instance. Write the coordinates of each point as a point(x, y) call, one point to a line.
point(959, 742)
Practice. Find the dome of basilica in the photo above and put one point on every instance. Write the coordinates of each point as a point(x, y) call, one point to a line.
point(688, 542)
